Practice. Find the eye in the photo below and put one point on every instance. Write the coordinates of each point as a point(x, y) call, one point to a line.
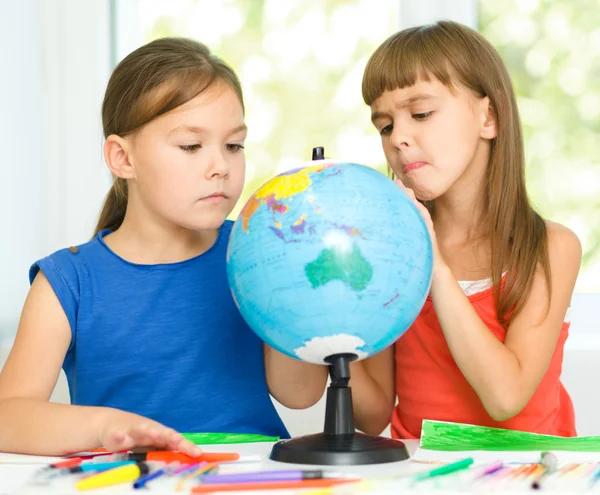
point(234, 148)
point(421, 116)
point(386, 130)
point(190, 148)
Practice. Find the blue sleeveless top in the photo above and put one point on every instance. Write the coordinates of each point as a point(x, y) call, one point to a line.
point(165, 341)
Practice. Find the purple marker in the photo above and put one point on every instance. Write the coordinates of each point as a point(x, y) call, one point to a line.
point(184, 468)
point(291, 475)
point(490, 469)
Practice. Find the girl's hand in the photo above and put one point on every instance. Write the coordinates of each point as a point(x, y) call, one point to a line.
point(120, 431)
point(438, 261)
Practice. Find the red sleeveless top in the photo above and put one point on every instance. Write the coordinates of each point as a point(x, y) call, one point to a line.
point(429, 384)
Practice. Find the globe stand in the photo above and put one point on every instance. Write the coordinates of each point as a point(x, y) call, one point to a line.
point(339, 444)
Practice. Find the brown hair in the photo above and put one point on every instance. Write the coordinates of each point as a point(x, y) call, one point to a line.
point(448, 50)
point(149, 82)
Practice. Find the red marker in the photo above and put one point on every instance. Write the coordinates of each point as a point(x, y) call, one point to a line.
point(71, 462)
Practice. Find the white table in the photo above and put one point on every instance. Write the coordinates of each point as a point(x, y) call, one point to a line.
point(254, 457)
point(15, 473)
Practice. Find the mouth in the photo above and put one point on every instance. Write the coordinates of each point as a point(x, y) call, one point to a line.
point(215, 198)
point(409, 167)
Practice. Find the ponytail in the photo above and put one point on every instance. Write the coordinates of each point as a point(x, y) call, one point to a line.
point(115, 205)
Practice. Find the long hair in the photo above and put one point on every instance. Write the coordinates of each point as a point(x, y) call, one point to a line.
point(149, 82)
point(454, 53)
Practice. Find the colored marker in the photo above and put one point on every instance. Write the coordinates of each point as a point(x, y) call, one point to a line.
point(184, 468)
point(595, 477)
point(72, 461)
point(96, 455)
point(98, 466)
point(448, 469)
point(142, 481)
point(45, 474)
point(489, 469)
point(114, 476)
point(528, 471)
point(274, 485)
point(89, 467)
point(170, 456)
point(504, 473)
point(42, 476)
point(549, 462)
point(196, 470)
point(284, 475)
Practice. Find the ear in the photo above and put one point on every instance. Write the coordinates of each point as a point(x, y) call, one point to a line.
point(118, 157)
point(489, 129)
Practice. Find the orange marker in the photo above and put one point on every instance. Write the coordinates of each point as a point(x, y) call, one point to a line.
point(220, 456)
point(274, 485)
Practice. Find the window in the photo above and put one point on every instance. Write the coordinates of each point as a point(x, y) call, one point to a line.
point(552, 50)
point(300, 63)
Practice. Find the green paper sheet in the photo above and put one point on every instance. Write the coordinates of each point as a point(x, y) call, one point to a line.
point(227, 438)
point(444, 436)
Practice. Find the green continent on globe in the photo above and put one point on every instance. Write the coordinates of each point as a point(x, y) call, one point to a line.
point(349, 267)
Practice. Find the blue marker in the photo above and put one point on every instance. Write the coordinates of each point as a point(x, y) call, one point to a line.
point(595, 477)
point(98, 466)
point(141, 482)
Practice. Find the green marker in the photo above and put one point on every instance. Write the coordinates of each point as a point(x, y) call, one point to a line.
point(450, 468)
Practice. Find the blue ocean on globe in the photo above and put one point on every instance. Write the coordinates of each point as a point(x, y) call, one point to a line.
point(329, 258)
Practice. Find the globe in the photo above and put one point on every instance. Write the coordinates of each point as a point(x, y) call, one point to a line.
point(330, 258)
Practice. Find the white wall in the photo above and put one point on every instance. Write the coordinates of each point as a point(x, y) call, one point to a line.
point(22, 141)
point(55, 59)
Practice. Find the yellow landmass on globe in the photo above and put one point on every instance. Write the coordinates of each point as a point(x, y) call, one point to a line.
point(300, 221)
point(281, 187)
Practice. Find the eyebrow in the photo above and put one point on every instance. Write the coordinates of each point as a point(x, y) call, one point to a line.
point(403, 104)
point(200, 130)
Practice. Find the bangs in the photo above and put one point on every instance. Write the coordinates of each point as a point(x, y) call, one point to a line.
point(403, 59)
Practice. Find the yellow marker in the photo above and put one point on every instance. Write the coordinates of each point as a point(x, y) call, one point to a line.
point(122, 474)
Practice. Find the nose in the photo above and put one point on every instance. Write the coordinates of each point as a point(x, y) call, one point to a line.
point(218, 166)
point(401, 138)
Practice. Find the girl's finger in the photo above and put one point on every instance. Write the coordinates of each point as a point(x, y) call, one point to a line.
point(165, 437)
point(187, 447)
point(174, 438)
point(119, 441)
point(154, 433)
point(141, 434)
point(118, 436)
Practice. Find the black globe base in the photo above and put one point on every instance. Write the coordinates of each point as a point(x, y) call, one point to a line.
point(354, 449)
point(339, 444)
